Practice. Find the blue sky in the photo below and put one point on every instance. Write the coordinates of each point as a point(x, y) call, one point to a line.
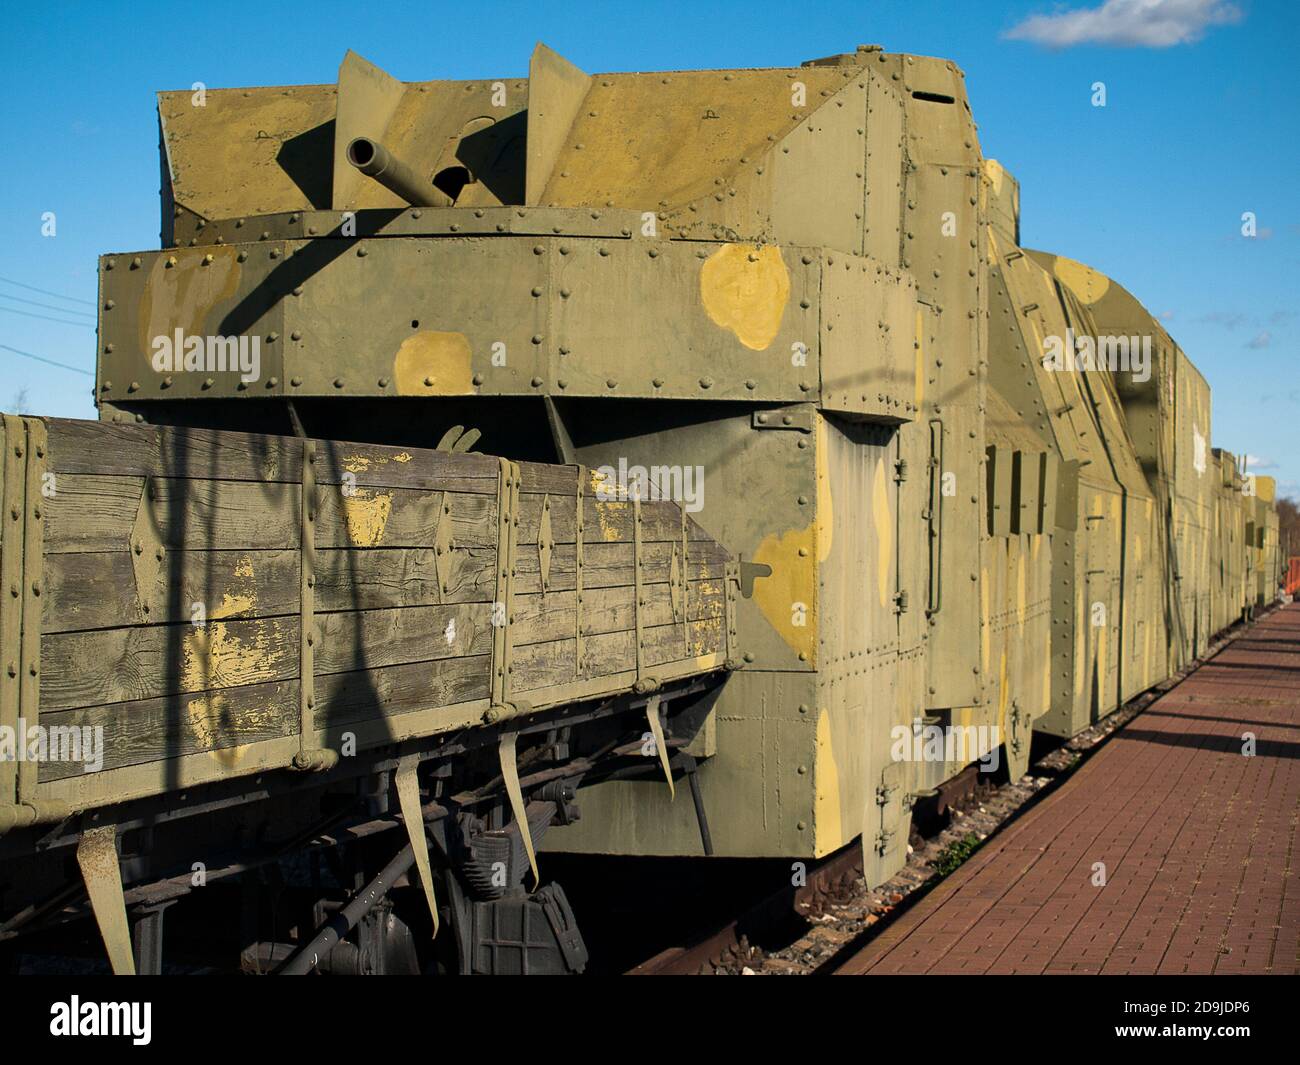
point(1150, 189)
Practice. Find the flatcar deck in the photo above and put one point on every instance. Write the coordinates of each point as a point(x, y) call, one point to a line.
point(1168, 852)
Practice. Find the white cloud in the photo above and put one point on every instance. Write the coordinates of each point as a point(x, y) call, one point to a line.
point(1128, 23)
point(1254, 462)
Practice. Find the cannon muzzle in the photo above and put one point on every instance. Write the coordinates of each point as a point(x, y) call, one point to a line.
point(376, 161)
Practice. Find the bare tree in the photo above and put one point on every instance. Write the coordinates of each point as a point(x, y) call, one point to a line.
point(1288, 524)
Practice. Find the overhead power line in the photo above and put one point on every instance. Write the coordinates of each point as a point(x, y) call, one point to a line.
point(42, 358)
point(47, 292)
point(48, 318)
point(47, 306)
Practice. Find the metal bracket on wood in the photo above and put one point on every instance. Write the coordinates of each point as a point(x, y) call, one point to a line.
point(545, 545)
point(147, 551)
point(502, 608)
point(510, 777)
point(308, 758)
point(638, 587)
point(686, 580)
point(657, 731)
point(731, 587)
point(675, 584)
point(579, 508)
point(13, 462)
point(29, 656)
point(97, 857)
point(442, 547)
point(408, 798)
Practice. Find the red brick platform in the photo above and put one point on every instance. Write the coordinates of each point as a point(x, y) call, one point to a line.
point(1199, 844)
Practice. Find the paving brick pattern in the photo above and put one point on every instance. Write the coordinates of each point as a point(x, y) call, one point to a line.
point(1198, 843)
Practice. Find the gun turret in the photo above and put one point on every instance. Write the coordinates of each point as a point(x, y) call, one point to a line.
point(376, 161)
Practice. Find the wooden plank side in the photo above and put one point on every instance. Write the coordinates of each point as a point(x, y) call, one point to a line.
point(547, 479)
point(146, 662)
point(605, 522)
point(172, 726)
point(406, 574)
point(94, 513)
point(97, 590)
point(392, 577)
point(349, 698)
point(113, 449)
point(538, 618)
point(543, 665)
point(418, 469)
point(607, 565)
point(400, 517)
point(139, 451)
point(372, 639)
point(88, 512)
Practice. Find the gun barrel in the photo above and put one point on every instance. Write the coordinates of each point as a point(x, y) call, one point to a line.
point(376, 161)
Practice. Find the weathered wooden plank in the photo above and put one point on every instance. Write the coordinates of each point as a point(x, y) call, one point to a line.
point(548, 479)
point(346, 698)
point(539, 618)
point(97, 590)
point(92, 513)
point(112, 449)
point(153, 729)
point(399, 517)
point(606, 565)
point(363, 579)
point(370, 639)
point(125, 450)
point(542, 665)
point(606, 522)
point(422, 469)
point(704, 637)
point(660, 520)
point(222, 721)
point(89, 513)
point(129, 664)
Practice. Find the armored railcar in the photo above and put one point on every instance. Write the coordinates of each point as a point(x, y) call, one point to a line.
point(799, 479)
